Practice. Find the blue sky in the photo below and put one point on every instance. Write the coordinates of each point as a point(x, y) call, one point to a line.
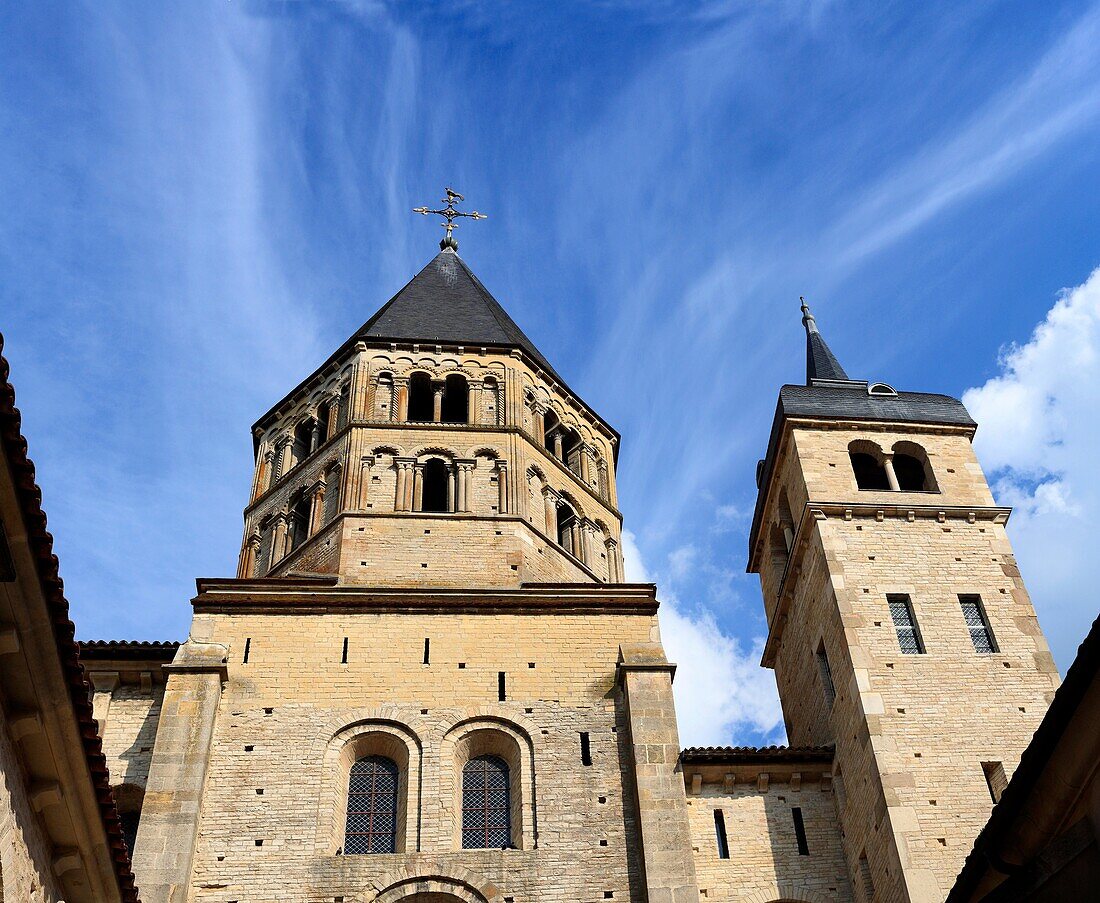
point(202, 200)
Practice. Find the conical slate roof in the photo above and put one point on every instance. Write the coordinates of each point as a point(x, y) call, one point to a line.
point(821, 363)
point(446, 303)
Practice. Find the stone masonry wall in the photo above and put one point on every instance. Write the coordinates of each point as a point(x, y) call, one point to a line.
point(911, 731)
point(764, 863)
point(25, 856)
point(131, 731)
point(266, 829)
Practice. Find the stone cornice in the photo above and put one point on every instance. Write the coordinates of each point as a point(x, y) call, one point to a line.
point(815, 511)
point(316, 595)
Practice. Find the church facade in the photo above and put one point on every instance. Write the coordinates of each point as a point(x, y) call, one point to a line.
point(429, 681)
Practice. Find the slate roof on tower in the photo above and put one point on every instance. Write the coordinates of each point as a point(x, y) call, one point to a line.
point(446, 303)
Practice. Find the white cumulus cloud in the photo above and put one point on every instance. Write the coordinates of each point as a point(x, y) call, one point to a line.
point(721, 690)
point(1038, 438)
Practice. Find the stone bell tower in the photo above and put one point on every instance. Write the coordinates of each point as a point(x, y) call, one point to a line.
point(900, 630)
point(428, 679)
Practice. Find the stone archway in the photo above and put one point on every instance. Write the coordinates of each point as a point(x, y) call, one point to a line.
point(435, 886)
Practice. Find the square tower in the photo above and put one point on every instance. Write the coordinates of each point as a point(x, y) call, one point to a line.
point(899, 627)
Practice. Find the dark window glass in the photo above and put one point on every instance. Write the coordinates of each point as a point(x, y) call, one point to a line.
point(901, 613)
point(870, 474)
point(372, 806)
point(976, 622)
point(486, 804)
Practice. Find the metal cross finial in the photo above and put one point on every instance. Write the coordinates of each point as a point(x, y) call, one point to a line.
point(451, 215)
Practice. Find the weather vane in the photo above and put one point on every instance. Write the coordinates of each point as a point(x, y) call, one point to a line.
point(451, 214)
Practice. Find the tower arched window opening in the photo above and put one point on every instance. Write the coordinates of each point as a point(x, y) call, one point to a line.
point(870, 472)
point(456, 399)
point(567, 523)
point(550, 428)
point(324, 417)
point(421, 403)
point(571, 449)
point(303, 439)
point(434, 496)
point(299, 520)
point(372, 806)
point(486, 804)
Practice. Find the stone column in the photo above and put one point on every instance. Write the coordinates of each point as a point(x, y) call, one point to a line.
point(400, 410)
point(279, 537)
point(314, 434)
point(451, 488)
point(403, 499)
point(502, 486)
point(586, 465)
point(365, 464)
point(645, 677)
point(614, 573)
point(539, 413)
point(248, 558)
point(286, 453)
point(557, 444)
point(104, 683)
point(550, 504)
point(473, 408)
point(465, 468)
point(169, 823)
point(891, 477)
point(316, 507)
point(418, 487)
point(437, 402)
point(333, 415)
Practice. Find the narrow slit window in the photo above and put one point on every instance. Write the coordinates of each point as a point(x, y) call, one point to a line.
point(995, 779)
point(720, 834)
point(427, 651)
point(865, 878)
point(502, 689)
point(905, 623)
point(247, 649)
point(826, 675)
point(586, 749)
point(800, 832)
point(981, 634)
point(344, 653)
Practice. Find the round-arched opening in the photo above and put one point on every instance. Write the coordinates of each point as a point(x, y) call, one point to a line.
point(490, 401)
point(456, 399)
point(434, 497)
point(567, 520)
point(550, 426)
point(420, 398)
point(869, 471)
point(571, 450)
point(324, 418)
point(299, 520)
point(910, 473)
point(486, 804)
point(303, 439)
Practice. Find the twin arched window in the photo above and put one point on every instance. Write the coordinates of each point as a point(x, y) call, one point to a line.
point(907, 469)
point(372, 813)
point(372, 806)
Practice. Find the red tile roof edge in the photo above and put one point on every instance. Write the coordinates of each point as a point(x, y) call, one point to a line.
point(41, 544)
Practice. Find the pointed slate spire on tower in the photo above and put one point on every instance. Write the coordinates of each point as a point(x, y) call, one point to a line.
point(821, 363)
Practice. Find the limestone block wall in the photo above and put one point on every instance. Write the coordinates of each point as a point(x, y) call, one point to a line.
point(272, 819)
point(911, 731)
point(131, 731)
point(25, 854)
point(764, 863)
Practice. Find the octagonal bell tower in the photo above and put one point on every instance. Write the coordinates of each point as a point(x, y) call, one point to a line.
point(438, 447)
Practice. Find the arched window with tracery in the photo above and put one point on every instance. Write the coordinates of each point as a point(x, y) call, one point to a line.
point(372, 806)
point(486, 804)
